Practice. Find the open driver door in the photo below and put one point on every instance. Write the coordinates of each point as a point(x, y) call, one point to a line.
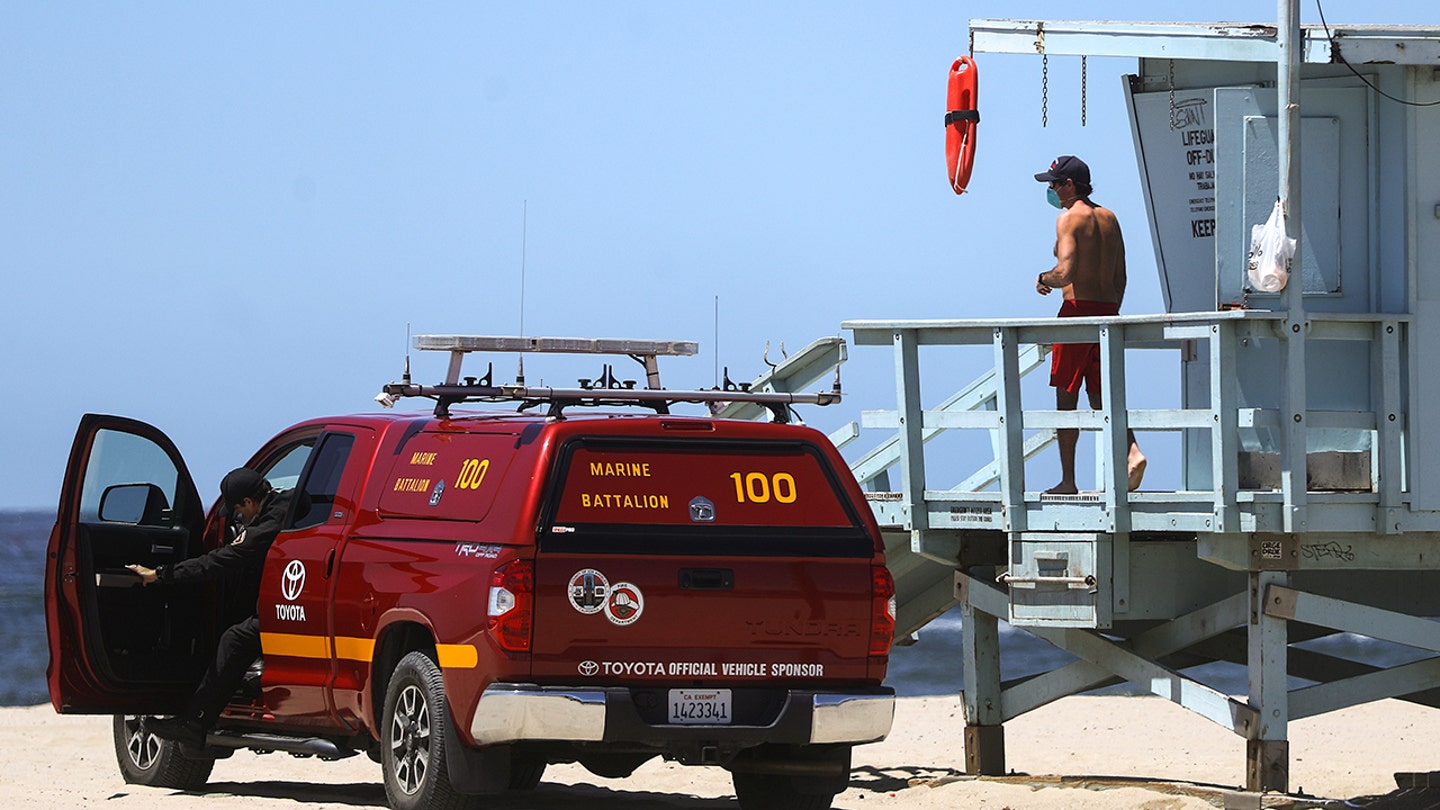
point(115, 645)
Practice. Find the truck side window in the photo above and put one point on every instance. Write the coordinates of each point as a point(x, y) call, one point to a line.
point(322, 481)
point(283, 470)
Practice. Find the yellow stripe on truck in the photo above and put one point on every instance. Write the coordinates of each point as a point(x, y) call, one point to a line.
point(349, 648)
point(458, 656)
point(354, 649)
point(294, 645)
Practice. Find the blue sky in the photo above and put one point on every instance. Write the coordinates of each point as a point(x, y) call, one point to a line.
point(221, 218)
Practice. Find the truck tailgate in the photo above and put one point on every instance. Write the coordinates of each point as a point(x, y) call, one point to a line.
point(702, 621)
point(701, 563)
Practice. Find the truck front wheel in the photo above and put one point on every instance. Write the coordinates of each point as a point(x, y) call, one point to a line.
point(413, 755)
point(148, 760)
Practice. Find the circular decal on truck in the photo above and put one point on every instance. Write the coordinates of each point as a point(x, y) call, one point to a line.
point(588, 590)
point(292, 582)
point(625, 603)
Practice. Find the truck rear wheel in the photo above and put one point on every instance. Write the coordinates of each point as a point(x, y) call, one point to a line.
point(526, 771)
point(148, 760)
point(765, 791)
point(790, 777)
point(413, 755)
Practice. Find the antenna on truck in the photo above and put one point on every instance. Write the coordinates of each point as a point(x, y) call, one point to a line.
point(524, 242)
point(605, 389)
point(384, 399)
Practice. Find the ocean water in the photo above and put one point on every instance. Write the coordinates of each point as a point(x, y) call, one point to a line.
point(23, 537)
point(931, 666)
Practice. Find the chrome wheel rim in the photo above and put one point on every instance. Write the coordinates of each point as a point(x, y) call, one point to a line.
point(141, 746)
point(410, 739)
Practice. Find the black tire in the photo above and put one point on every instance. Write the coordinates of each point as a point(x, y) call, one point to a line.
point(148, 760)
point(526, 770)
point(613, 766)
point(765, 791)
point(413, 756)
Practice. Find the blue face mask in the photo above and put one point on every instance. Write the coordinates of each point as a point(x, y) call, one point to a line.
point(1053, 198)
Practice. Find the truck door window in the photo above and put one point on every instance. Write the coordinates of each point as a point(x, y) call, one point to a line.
point(131, 477)
point(322, 481)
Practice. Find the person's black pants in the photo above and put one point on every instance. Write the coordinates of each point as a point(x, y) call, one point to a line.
point(239, 647)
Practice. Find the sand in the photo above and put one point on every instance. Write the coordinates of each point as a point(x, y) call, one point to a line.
point(1080, 752)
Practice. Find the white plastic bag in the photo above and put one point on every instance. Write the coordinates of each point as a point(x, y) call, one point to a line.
point(1270, 253)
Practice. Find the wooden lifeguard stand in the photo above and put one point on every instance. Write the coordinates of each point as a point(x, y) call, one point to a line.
point(1310, 495)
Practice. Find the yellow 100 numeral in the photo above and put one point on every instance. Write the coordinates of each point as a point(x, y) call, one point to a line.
point(756, 487)
point(472, 472)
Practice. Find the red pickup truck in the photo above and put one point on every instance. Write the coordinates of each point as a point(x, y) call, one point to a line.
point(469, 596)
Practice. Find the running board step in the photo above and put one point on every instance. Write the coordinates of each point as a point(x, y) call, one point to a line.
point(300, 746)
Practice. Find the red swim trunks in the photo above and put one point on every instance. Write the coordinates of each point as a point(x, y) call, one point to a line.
point(1072, 363)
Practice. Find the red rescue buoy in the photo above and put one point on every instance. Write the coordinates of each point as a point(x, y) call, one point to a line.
point(962, 118)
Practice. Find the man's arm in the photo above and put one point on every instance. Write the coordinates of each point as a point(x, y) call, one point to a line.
point(1120, 277)
point(246, 554)
point(1063, 274)
point(235, 556)
point(213, 564)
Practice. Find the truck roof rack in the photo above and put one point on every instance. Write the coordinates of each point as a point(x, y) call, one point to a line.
point(604, 390)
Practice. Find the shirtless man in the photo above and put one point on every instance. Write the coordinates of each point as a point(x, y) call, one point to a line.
point(1090, 272)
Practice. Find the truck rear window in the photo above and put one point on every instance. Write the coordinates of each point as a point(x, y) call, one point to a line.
point(700, 496)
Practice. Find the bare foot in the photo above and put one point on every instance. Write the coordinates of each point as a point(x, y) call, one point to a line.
point(1063, 488)
point(1137, 467)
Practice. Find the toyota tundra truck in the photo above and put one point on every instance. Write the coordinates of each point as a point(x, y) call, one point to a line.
point(467, 595)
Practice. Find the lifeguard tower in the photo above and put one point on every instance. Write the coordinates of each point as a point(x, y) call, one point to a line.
point(1310, 494)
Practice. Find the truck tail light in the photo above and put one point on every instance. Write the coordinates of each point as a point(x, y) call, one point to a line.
point(512, 605)
point(882, 610)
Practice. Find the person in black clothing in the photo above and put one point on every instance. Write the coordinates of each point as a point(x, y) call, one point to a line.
point(259, 512)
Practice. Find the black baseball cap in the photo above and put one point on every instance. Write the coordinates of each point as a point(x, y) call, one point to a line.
point(241, 483)
point(1066, 167)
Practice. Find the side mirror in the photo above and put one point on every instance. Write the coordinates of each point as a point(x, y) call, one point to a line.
point(141, 504)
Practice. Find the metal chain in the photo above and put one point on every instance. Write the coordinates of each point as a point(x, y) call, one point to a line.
point(1083, 82)
point(1045, 90)
point(1172, 95)
point(1044, 74)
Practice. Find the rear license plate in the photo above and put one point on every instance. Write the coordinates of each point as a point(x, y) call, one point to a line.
point(700, 707)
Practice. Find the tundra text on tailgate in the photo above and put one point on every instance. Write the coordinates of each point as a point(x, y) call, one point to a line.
point(468, 596)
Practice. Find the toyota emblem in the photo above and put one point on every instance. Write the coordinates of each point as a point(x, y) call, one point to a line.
point(293, 581)
point(588, 668)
